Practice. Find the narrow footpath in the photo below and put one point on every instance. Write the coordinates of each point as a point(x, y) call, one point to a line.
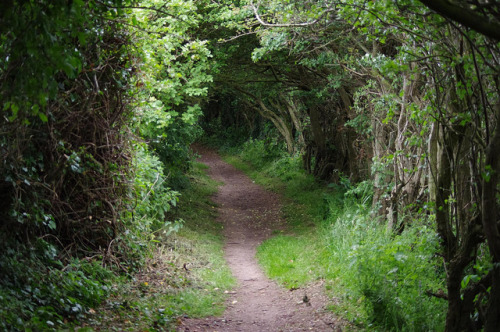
point(249, 214)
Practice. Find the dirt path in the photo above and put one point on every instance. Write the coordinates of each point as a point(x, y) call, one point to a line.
point(249, 215)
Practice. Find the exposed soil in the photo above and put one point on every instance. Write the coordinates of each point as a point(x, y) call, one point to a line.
point(249, 214)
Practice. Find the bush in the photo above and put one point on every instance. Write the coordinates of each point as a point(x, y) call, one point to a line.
point(394, 274)
point(37, 293)
point(153, 198)
point(260, 153)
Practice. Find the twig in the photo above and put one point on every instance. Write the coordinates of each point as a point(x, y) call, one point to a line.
point(151, 188)
point(142, 7)
point(440, 294)
point(288, 25)
point(236, 37)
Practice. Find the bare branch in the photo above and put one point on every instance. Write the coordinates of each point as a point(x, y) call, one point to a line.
point(143, 8)
point(440, 294)
point(221, 41)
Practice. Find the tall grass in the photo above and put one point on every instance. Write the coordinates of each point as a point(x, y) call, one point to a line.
point(381, 278)
point(387, 274)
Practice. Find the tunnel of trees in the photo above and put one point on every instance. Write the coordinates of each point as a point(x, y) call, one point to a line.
point(102, 99)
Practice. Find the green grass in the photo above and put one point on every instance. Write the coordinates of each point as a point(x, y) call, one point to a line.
point(292, 260)
point(185, 275)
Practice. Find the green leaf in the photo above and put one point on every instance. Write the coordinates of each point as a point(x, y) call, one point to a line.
point(43, 117)
point(52, 224)
point(68, 69)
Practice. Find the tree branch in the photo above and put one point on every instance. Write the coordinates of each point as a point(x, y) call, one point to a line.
point(288, 25)
point(466, 17)
point(141, 7)
point(440, 294)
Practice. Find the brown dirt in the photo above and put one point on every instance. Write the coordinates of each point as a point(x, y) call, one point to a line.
point(249, 215)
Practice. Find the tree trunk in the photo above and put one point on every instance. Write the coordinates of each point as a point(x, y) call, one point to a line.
point(279, 123)
point(317, 131)
point(490, 226)
point(293, 112)
point(448, 241)
point(350, 136)
point(433, 161)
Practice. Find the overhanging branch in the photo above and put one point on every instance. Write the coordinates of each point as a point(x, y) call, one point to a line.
point(466, 17)
point(287, 25)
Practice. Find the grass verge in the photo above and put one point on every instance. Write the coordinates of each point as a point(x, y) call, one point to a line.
point(185, 274)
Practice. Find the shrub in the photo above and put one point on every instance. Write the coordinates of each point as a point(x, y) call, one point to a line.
point(37, 293)
point(153, 198)
point(260, 152)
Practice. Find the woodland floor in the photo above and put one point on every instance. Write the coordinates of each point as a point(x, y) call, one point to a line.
point(249, 215)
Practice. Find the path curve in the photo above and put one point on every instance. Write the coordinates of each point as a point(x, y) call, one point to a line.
point(249, 214)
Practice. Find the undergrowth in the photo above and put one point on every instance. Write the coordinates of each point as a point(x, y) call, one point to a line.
point(185, 275)
point(380, 279)
point(173, 268)
point(36, 293)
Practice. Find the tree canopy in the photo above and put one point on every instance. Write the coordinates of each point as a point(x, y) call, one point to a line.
point(102, 99)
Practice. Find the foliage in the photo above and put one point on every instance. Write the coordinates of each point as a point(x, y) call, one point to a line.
point(260, 152)
point(395, 276)
point(153, 198)
point(64, 73)
point(172, 79)
point(35, 293)
point(224, 138)
point(59, 175)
